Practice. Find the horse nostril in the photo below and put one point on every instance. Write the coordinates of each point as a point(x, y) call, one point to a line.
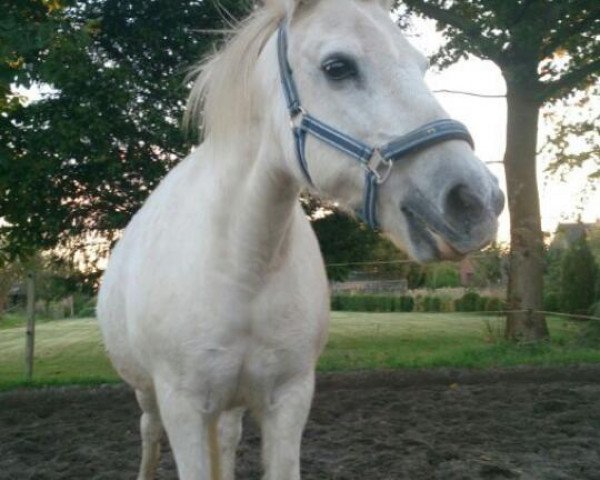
point(463, 207)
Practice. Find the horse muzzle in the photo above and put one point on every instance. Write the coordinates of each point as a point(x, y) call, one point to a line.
point(465, 221)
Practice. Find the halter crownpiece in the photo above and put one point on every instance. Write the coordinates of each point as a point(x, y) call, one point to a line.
point(377, 161)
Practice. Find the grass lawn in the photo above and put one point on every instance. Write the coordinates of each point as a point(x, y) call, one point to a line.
point(70, 351)
point(66, 351)
point(421, 340)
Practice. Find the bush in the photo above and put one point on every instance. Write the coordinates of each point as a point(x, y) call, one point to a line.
point(442, 275)
point(372, 303)
point(494, 304)
point(335, 303)
point(578, 278)
point(469, 302)
point(432, 304)
point(447, 304)
point(404, 303)
point(552, 302)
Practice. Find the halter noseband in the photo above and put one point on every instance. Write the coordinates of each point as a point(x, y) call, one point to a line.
point(377, 161)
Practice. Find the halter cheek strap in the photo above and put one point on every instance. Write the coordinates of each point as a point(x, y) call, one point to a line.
point(377, 161)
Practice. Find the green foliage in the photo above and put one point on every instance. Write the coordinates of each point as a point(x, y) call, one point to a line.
point(364, 303)
point(85, 306)
point(404, 303)
point(348, 245)
point(552, 302)
point(494, 304)
point(442, 275)
point(490, 266)
point(86, 155)
point(343, 240)
point(432, 304)
point(372, 303)
point(517, 35)
point(579, 273)
point(10, 273)
point(552, 276)
point(593, 239)
point(576, 123)
point(469, 302)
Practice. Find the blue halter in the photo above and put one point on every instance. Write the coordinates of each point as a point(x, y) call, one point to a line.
point(377, 161)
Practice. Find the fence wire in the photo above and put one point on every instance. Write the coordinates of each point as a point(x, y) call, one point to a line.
point(570, 316)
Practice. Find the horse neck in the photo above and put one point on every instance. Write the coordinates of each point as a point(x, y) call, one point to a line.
point(259, 202)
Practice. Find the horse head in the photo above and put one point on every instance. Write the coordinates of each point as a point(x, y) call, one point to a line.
point(357, 76)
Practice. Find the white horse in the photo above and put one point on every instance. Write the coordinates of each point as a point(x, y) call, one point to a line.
point(215, 299)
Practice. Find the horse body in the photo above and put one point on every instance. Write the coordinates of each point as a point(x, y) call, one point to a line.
point(215, 299)
point(181, 293)
point(223, 320)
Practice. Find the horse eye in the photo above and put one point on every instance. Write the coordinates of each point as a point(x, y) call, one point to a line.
point(339, 68)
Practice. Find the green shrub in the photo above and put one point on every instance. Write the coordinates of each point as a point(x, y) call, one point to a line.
point(447, 304)
point(552, 302)
point(405, 303)
point(363, 303)
point(578, 278)
point(482, 304)
point(426, 303)
point(84, 306)
point(351, 303)
point(372, 303)
point(432, 304)
point(335, 303)
point(469, 302)
point(494, 304)
point(442, 275)
point(419, 307)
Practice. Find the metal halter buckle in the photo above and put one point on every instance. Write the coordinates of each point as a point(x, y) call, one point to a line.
point(374, 164)
point(296, 117)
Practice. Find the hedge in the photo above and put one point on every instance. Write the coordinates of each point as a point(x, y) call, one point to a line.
point(469, 302)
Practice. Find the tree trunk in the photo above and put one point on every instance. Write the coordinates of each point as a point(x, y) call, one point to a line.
point(525, 284)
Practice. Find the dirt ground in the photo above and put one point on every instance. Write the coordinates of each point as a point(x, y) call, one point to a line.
point(527, 423)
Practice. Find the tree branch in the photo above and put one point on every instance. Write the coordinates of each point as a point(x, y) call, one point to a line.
point(567, 33)
point(466, 26)
point(569, 80)
point(472, 94)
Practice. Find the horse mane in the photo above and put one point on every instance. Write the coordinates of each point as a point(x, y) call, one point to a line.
point(220, 99)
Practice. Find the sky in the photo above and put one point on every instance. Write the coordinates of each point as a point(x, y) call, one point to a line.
point(561, 201)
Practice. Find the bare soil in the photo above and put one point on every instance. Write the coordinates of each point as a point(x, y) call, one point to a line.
point(529, 423)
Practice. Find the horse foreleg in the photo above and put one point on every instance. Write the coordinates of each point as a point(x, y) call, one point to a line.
point(187, 427)
point(151, 431)
point(230, 433)
point(282, 425)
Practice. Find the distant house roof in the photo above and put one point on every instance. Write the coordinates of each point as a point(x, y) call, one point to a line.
point(568, 233)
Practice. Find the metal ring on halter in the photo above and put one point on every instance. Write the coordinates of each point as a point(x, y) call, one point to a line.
point(375, 162)
point(296, 117)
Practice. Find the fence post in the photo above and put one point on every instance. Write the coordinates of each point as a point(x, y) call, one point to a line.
point(30, 333)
